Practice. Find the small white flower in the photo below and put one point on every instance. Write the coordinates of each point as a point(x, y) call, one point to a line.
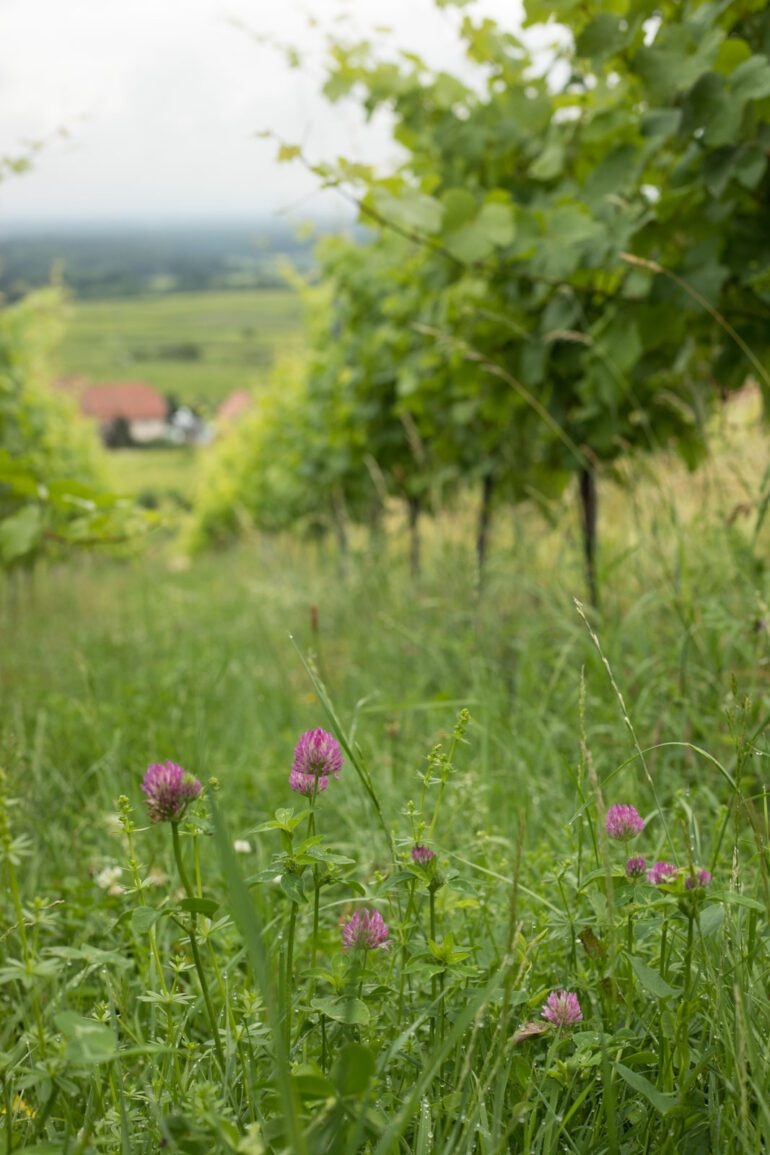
point(241, 846)
point(107, 878)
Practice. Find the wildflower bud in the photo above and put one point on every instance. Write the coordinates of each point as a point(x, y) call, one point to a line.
point(169, 790)
point(698, 880)
point(635, 867)
point(422, 855)
point(662, 872)
point(365, 931)
point(562, 1009)
point(624, 822)
point(124, 816)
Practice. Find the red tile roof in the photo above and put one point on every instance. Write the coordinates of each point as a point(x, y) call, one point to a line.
point(130, 399)
point(234, 405)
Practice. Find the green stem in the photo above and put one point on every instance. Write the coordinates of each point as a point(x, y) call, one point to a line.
point(432, 901)
point(411, 909)
point(179, 862)
point(442, 1009)
point(316, 911)
point(445, 771)
point(197, 864)
point(316, 887)
point(722, 832)
point(437, 807)
point(688, 956)
point(19, 911)
point(630, 951)
point(195, 952)
point(289, 965)
point(363, 974)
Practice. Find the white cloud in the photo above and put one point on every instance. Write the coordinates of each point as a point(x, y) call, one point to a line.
point(163, 100)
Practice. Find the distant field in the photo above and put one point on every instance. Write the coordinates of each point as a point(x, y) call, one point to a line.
point(198, 346)
point(166, 476)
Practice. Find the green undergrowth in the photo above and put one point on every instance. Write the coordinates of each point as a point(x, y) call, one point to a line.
point(118, 1034)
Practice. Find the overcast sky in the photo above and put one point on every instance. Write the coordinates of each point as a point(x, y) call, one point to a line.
point(162, 100)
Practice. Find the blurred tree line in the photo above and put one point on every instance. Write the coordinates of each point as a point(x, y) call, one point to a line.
point(107, 261)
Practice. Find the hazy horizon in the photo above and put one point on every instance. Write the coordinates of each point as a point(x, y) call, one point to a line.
point(266, 222)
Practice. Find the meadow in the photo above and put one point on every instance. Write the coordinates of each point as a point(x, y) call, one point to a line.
point(218, 1009)
point(160, 478)
point(341, 841)
point(200, 347)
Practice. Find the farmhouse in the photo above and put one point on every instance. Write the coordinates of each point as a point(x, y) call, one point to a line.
point(133, 405)
point(234, 406)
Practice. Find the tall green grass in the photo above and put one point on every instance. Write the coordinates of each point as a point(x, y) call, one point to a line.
point(661, 701)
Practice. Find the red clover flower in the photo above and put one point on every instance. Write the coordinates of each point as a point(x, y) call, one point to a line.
point(422, 855)
point(308, 784)
point(698, 880)
point(662, 872)
point(365, 931)
point(635, 867)
point(169, 790)
point(624, 822)
point(562, 1009)
point(316, 756)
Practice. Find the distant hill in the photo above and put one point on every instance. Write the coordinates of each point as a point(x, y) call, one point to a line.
point(122, 261)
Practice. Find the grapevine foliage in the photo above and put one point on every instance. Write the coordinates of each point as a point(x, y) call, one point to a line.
point(570, 264)
point(52, 494)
